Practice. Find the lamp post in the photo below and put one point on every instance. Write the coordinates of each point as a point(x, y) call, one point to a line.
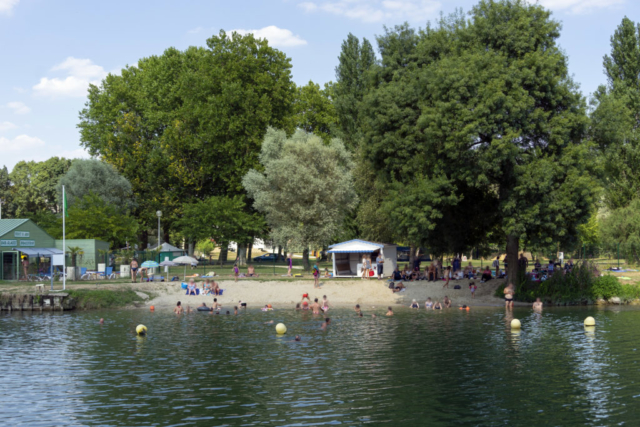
point(159, 213)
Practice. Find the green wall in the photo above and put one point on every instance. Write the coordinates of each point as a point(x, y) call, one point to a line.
point(90, 259)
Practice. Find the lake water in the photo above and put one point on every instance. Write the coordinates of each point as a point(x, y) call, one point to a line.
point(417, 368)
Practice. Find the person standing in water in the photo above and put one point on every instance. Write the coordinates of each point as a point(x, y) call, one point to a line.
point(134, 269)
point(315, 307)
point(178, 309)
point(325, 324)
point(389, 311)
point(325, 304)
point(509, 291)
point(537, 306)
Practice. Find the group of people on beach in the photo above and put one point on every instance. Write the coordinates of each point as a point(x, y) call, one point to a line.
point(367, 266)
point(209, 287)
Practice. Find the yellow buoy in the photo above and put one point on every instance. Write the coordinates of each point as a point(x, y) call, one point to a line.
point(281, 329)
point(589, 321)
point(141, 330)
point(515, 324)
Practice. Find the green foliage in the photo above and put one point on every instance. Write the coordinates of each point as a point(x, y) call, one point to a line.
point(615, 121)
point(578, 286)
point(32, 188)
point(75, 252)
point(92, 218)
point(479, 110)
point(187, 125)
point(606, 287)
point(314, 111)
point(223, 219)
point(306, 189)
point(622, 226)
point(94, 176)
point(88, 299)
point(589, 232)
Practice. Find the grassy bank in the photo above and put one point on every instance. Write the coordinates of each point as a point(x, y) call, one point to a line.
point(87, 299)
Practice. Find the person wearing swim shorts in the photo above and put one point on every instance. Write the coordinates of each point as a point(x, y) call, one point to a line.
point(537, 306)
point(437, 306)
point(509, 291)
point(325, 303)
point(414, 304)
point(315, 307)
point(134, 270)
point(428, 304)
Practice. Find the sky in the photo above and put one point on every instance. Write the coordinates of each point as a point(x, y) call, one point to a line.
point(51, 50)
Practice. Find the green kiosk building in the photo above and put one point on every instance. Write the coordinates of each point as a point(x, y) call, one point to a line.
point(23, 238)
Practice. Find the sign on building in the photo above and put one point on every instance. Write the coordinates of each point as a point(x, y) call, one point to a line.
point(27, 242)
point(20, 234)
point(8, 243)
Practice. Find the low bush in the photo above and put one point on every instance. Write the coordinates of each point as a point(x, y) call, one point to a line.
point(606, 287)
point(103, 298)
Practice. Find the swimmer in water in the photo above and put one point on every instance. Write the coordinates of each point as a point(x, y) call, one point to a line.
point(178, 309)
point(414, 304)
point(228, 312)
point(297, 338)
point(389, 311)
point(189, 309)
point(373, 316)
point(269, 322)
point(437, 306)
point(325, 324)
point(537, 306)
point(315, 307)
point(298, 307)
point(216, 305)
point(357, 308)
point(325, 303)
point(428, 304)
point(101, 321)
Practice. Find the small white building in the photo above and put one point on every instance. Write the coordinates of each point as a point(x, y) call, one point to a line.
point(347, 257)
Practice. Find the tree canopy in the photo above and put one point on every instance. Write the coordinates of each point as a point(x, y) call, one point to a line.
point(306, 188)
point(187, 125)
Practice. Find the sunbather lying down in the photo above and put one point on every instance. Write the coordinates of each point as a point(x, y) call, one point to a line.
point(399, 287)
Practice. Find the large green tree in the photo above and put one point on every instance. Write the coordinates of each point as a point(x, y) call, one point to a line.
point(314, 110)
point(100, 178)
point(187, 125)
point(480, 112)
point(615, 120)
point(305, 191)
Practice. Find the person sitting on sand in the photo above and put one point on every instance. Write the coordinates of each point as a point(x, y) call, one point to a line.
point(537, 306)
point(468, 271)
point(447, 302)
point(325, 324)
point(178, 309)
point(428, 304)
point(437, 305)
point(486, 275)
point(326, 273)
point(191, 287)
point(206, 287)
point(251, 271)
point(389, 311)
point(357, 308)
point(397, 275)
point(215, 288)
point(400, 286)
point(414, 304)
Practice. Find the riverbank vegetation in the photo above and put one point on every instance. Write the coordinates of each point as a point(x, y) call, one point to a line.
point(87, 299)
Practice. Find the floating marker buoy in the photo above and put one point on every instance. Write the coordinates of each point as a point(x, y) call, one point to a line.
point(515, 324)
point(281, 329)
point(141, 330)
point(152, 308)
point(589, 321)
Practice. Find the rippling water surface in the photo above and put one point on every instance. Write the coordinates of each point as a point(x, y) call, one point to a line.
point(417, 368)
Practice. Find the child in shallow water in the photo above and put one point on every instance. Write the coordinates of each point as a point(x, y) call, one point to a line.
point(428, 304)
point(414, 304)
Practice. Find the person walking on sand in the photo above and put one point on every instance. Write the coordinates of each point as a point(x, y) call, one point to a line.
point(134, 269)
point(496, 265)
point(236, 271)
point(509, 291)
point(316, 276)
point(447, 277)
point(380, 264)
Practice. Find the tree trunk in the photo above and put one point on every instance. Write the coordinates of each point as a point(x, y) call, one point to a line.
point(190, 247)
point(165, 235)
point(224, 252)
point(242, 254)
point(279, 252)
point(249, 250)
point(513, 246)
point(144, 240)
point(412, 256)
point(305, 259)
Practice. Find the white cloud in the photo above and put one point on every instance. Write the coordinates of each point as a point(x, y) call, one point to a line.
point(277, 36)
point(580, 6)
point(376, 10)
point(79, 153)
point(7, 126)
point(20, 143)
point(7, 5)
point(81, 72)
point(196, 30)
point(19, 107)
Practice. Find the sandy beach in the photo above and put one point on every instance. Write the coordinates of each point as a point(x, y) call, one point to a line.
point(367, 293)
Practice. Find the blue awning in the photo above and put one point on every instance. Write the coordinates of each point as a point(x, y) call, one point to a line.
point(44, 252)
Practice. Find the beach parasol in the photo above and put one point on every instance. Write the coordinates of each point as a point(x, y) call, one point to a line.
point(185, 260)
point(168, 264)
point(150, 264)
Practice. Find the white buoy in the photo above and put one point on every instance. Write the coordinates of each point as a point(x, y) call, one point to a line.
point(141, 330)
point(589, 321)
point(515, 324)
point(281, 329)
